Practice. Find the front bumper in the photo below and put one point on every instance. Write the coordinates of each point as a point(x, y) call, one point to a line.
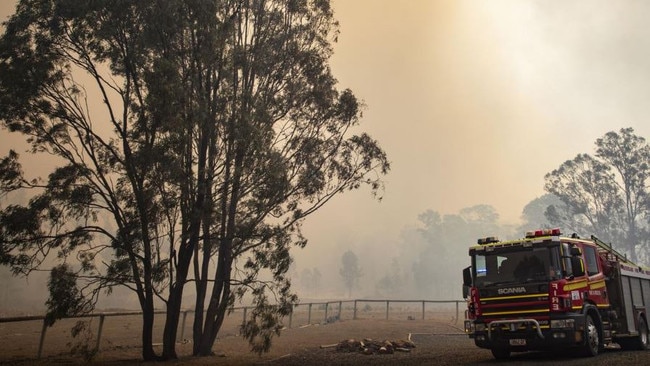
point(527, 334)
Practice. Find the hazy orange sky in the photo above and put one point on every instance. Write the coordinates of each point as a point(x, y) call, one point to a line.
point(474, 101)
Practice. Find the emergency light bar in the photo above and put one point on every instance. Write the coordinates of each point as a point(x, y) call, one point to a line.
point(488, 240)
point(543, 232)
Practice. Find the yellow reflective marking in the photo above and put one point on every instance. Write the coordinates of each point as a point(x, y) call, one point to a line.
point(517, 312)
point(575, 285)
point(579, 307)
point(597, 285)
point(513, 297)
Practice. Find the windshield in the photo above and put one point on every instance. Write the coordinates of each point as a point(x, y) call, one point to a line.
point(517, 265)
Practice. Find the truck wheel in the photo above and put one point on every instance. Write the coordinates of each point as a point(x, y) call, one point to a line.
point(592, 341)
point(500, 353)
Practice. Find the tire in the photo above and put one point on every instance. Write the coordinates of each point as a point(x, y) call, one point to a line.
point(500, 353)
point(592, 339)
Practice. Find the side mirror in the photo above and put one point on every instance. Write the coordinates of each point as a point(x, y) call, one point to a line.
point(467, 276)
point(575, 251)
point(467, 281)
point(578, 266)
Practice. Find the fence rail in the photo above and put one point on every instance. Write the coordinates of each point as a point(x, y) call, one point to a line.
point(302, 314)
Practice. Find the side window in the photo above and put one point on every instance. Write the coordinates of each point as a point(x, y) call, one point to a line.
point(566, 258)
point(481, 269)
point(591, 258)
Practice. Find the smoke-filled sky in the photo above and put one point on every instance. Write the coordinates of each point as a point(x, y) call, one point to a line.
point(474, 101)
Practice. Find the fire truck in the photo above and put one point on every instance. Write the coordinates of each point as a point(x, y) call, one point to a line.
point(548, 291)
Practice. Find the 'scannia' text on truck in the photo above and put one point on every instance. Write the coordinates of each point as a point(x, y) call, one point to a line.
point(547, 291)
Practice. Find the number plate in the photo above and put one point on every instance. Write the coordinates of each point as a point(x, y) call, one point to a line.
point(517, 342)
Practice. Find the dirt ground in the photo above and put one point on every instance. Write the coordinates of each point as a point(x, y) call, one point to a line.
point(438, 342)
point(300, 345)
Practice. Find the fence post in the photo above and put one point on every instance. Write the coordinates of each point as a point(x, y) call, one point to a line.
point(422, 309)
point(40, 344)
point(340, 305)
point(456, 322)
point(354, 316)
point(99, 331)
point(387, 306)
point(183, 326)
point(309, 315)
point(291, 316)
point(243, 322)
point(327, 305)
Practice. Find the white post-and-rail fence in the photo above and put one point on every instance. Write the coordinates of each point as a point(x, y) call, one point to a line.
point(316, 312)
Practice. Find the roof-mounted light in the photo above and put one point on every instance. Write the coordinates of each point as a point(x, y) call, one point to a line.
point(543, 232)
point(488, 240)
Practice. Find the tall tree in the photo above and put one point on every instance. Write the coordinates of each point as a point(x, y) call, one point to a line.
point(607, 194)
point(277, 147)
point(222, 129)
point(442, 243)
point(310, 279)
point(108, 154)
point(534, 215)
point(350, 271)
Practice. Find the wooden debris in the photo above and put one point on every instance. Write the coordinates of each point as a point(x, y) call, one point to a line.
point(369, 346)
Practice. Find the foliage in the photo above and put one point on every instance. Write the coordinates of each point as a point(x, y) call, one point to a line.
point(310, 279)
point(265, 321)
point(220, 129)
point(533, 215)
point(102, 204)
point(392, 284)
point(65, 299)
point(438, 248)
point(82, 343)
point(606, 194)
point(350, 271)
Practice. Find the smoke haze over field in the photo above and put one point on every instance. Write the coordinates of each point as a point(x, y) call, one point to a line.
point(474, 102)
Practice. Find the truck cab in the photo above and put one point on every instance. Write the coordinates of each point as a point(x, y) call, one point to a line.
point(541, 292)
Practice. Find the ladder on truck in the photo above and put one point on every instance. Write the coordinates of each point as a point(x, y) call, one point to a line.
point(608, 251)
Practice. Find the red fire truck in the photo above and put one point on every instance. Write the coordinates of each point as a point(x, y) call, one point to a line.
point(548, 291)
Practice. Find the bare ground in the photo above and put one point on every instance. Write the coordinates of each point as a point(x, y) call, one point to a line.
point(437, 342)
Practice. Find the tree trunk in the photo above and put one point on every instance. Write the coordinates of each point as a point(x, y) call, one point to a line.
point(148, 353)
point(217, 308)
point(171, 322)
point(174, 303)
point(221, 289)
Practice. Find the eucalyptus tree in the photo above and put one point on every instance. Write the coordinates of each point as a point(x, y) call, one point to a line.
point(607, 194)
point(350, 271)
point(73, 82)
point(280, 148)
point(220, 130)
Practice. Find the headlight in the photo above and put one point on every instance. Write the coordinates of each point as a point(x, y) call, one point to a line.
point(562, 323)
point(469, 326)
point(480, 327)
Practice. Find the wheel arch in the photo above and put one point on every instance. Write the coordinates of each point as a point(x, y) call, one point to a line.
point(591, 310)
